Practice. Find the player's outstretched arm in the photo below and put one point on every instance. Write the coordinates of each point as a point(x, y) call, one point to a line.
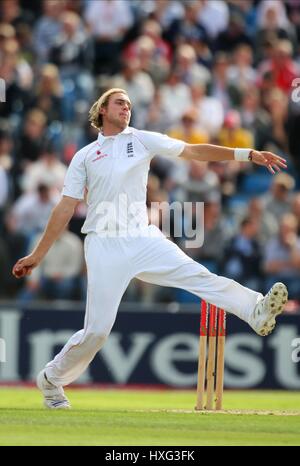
point(212, 153)
point(60, 217)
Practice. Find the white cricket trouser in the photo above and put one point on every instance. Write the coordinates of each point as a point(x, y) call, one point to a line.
point(111, 264)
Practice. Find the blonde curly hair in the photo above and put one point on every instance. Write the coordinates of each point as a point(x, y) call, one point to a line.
point(94, 114)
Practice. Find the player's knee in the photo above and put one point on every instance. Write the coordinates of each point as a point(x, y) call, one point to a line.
point(98, 336)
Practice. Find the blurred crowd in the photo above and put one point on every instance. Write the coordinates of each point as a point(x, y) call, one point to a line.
point(205, 71)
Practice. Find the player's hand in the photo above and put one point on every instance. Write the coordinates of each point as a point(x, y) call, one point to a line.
point(25, 266)
point(273, 162)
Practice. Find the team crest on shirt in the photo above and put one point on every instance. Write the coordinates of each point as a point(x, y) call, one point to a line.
point(130, 149)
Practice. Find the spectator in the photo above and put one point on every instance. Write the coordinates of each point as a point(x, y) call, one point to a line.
point(75, 6)
point(220, 86)
point(32, 137)
point(187, 68)
point(47, 28)
point(154, 183)
point(234, 35)
point(273, 22)
point(294, 16)
point(163, 171)
point(108, 22)
point(267, 222)
point(175, 98)
point(277, 201)
point(232, 134)
point(58, 276)
point(195, 182)
point(14, 94)
point(189, 28)
point(29, 144)
point(157, 204)
point(140, 88)
point(248, 10)
point(155, 66)
point(189, 130)
point(31, 211)
point(243, 255)
point(228, 175)
point(281, 67)
point(162, 49)
point(72, 50)
point(241, 73)
point(169, 16)
point(159, 116)
point(282, 256)
point(214, 16)
point(23, 71)
point(207, 105)
point(216, 233)
point(12, 13)
point(276, 103)
point(73, 54)
point(255, 118)
point(272, 13)
point(47, 170)
point(7, 31)
point(48, 93)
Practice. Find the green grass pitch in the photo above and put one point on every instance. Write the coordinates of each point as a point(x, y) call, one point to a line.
point(166, 417)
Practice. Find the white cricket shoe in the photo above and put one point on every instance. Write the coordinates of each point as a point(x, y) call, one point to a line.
point(54, 397)
point(262, 320)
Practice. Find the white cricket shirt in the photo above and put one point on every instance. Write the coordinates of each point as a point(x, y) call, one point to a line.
point(114, 170)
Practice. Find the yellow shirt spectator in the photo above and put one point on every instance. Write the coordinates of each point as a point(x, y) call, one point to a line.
point(232, 135)
point(187, 130)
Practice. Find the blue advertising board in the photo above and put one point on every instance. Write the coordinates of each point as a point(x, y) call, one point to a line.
point(151, 346)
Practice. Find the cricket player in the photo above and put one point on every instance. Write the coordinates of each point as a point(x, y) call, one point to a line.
point(119, 246)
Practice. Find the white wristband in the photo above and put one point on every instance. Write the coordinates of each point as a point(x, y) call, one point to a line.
point(242, 155)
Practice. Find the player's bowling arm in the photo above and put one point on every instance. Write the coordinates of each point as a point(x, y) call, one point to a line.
point(59, 219)
point(212, 153)
point(207, 153)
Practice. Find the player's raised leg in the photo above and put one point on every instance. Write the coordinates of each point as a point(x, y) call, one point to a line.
point(166, 264)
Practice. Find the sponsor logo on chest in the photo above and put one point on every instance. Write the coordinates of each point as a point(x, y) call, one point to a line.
point(100, 156)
